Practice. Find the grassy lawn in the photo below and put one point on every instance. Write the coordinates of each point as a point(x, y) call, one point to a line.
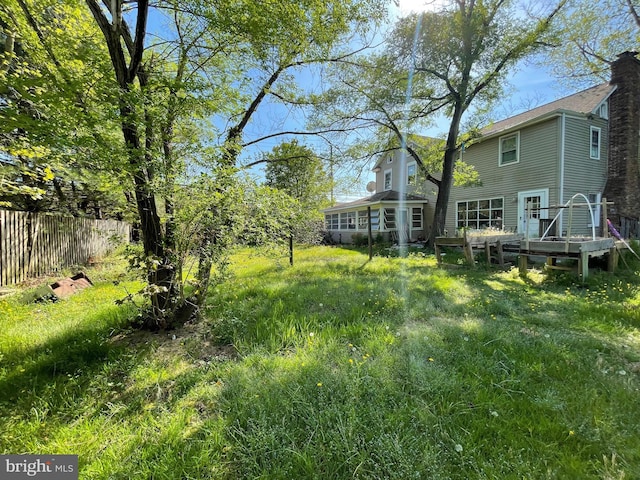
point(336, 368)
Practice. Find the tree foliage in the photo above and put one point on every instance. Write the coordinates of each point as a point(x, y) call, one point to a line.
point(590, 35)
point(298, 171)
point(438, 62)
point(464, 53)
point(219, 60)
point(57, 132)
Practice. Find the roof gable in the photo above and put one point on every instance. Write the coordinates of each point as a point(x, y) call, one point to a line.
point(584, 102)
point(415, 141)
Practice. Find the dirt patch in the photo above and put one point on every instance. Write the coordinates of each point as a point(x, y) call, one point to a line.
point(193, 341)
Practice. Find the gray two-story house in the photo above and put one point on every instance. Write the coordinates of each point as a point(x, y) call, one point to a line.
point(585, 145)
point(535, 160)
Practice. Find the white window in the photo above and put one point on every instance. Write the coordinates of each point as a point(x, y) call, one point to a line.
point(481, 213)
point(603, 111)
point(387, 180)
point(389, 218)
point(363, 220)
point(412, 174)
point(375, 219)
point(594, 143)
point(332, 221)
point(348, 221)
point(351, 220)
point(344, 221)
point(509, 149)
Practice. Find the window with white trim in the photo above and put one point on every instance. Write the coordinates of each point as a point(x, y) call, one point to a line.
point(594, 143)
point(412, 174)
point(363, 220)
point(387, 179)
point(344, 221)
point(480, 213)
point(375, 219)
point(332, 221)
point(389, 218)
point(509, 149)
point(351, 220)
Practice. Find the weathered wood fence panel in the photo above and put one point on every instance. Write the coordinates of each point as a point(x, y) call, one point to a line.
point(33, 244)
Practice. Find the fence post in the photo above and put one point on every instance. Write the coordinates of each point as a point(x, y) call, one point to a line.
point(369, 232)
point(291, 249)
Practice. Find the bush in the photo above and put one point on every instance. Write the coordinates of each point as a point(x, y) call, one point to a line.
point(309, 232)
point(360, 239)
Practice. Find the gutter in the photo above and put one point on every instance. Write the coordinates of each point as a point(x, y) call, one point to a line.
point(561, 189)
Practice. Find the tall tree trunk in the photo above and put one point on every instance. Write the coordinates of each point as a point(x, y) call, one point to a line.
point(444, 189)
point(117, 36)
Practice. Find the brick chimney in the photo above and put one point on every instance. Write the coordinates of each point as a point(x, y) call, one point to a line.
point(623, 176)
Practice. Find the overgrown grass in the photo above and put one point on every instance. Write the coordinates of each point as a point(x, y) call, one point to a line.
point(341, 367)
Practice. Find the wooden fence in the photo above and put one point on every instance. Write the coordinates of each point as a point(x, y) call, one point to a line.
point(33, 244)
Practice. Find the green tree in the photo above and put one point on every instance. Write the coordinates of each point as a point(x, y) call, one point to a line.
point(56, 134)
point(298, 171)
point(438, 63)
point(245, 45)
point(464, 53)
point(590, 36)
point(206, 61)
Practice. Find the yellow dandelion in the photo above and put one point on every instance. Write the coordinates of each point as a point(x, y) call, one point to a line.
point(319, 384)
point(431, 359)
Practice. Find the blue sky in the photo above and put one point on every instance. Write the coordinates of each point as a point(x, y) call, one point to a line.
point(531, 86)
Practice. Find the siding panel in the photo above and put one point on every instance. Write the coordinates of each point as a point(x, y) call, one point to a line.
point(537, 168)
point(583, 174)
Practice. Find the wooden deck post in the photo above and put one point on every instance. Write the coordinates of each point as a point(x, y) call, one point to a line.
point(438, 252)
point(500, 253)
point(583, 265)
point(468, 250)
point(522, 265)
point(487, 251)
point(612, 262)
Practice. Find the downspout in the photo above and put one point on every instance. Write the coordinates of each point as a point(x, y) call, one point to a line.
point(561, 189)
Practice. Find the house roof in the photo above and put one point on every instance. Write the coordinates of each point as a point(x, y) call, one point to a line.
point(584, 102)
point(386, 196)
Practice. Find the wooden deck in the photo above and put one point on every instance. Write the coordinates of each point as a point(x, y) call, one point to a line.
point(492, 245)
point(551, 248)
point(582, 249)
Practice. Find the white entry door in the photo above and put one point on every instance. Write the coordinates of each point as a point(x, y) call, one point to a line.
point(532, 206)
